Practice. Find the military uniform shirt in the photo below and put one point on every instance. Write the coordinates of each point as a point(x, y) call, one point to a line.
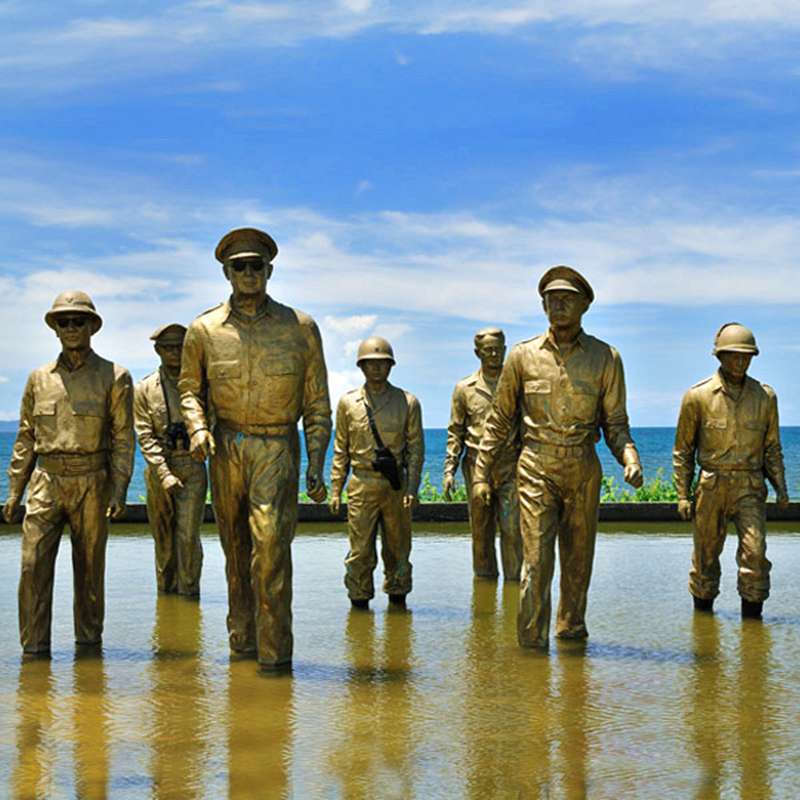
point(472, 400)
point(261, 370)
point(398, 418)
point(726, 433)
point(565, 399)
point(151, 417)
point(83, 411)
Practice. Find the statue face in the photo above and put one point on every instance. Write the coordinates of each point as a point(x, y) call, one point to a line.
point(170, 354)
point(564, 308)
point(735, 365)
point(491, 351)
point(74, 331)
point(376, 370)
point(248, 275)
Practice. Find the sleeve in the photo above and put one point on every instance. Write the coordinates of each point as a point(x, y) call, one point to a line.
point(316, 402)
point(614, 415)
point(150, 445)
point(23, 456)
point(501, 418)
point(341, 449)
point(122, 441)
point(456, 432)
point(773, 453)
point(415, 445)
point(685, 444)
point(192, 381)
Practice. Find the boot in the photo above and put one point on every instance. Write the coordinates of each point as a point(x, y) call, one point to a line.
point(398, 600)
point(703, 603)
point(751, 610)
point(359, 603)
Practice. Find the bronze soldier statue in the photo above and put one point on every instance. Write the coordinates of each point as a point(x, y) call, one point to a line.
point(74, 452)
point(176, 482)
point(568, 386)
point(728, 424)
point(251, 369)
point(378, 436)
point(472, 399)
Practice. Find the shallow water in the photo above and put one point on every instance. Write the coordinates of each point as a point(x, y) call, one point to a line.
point(436, 702)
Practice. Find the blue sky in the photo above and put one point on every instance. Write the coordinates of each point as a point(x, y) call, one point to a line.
point(420, 165)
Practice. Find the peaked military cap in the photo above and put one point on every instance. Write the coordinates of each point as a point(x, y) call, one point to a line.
point(246, 243)
point(73, 302)
point(173, 330)
point(566, 279)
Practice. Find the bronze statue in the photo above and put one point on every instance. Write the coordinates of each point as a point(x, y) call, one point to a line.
point(252, 368)
point(176, 482)
point(472, 399)
point(378, 436)
point(567, 386)
point(74, 452)
point(728, 424)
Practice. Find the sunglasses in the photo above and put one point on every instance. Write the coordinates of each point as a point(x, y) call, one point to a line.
point(71, 322)
point(241, 266)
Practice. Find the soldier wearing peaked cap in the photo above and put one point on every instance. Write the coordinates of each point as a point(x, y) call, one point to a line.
point(567, 386)
point(176, 483)
point(74, 453)
point(379, 437)
point(728, 424)
point(252, 368)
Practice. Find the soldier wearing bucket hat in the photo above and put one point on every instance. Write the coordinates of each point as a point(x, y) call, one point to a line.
point(74, 453)
point(176, 482)
point(379, 437)
point(728, 424)
point(567, 387)
point(253, 368)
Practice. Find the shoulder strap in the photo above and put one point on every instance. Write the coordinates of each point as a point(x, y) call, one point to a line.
point(373, 427)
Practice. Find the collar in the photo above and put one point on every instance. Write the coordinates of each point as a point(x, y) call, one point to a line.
point(548, 341)
point(60, 362)
point(266, 310)
point(482, 384)
point(719, 384)
point(383, 399)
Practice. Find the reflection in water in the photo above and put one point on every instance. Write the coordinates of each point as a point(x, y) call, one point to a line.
point(91, 725)
point(754, 724)
point(260, 722)
point(180, 724)
point(573, 696)
point(373, 754)
point(35, 692)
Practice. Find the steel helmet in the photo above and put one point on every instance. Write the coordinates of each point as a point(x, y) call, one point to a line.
point(374, 347)
point(733, 337)
point(73, 302)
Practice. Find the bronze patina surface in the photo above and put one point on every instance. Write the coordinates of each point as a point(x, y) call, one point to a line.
point(253, 368)
point(567, 387)
point(728, 425)
point(472, 400)
point(176, 482)
point(74, 453)
point(372, 501)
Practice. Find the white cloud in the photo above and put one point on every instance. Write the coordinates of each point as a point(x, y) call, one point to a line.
point(3, 379)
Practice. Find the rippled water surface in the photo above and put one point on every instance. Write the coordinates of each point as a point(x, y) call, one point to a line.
point(435, 702)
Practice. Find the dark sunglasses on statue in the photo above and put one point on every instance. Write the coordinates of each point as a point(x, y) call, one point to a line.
point(71, 322)
point(241, 266)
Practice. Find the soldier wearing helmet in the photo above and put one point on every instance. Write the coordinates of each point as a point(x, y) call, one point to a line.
point(74, 452)
point(379, 437)
point(176, 482)
point(728, 425)
point(251, 369)
point(566, 386)
point(472, 399)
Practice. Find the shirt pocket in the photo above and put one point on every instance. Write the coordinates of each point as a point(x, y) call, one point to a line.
point(44, 408)
point(281, 381)
point(582, 402)
point(224, 370)
point(89, 408)
point(538, 394)
point(716, 435)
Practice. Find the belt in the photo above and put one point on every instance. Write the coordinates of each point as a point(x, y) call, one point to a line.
point(256, 430)
point(558, 450)
point(726, 468)
point(72, 463)
point(366, 472)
